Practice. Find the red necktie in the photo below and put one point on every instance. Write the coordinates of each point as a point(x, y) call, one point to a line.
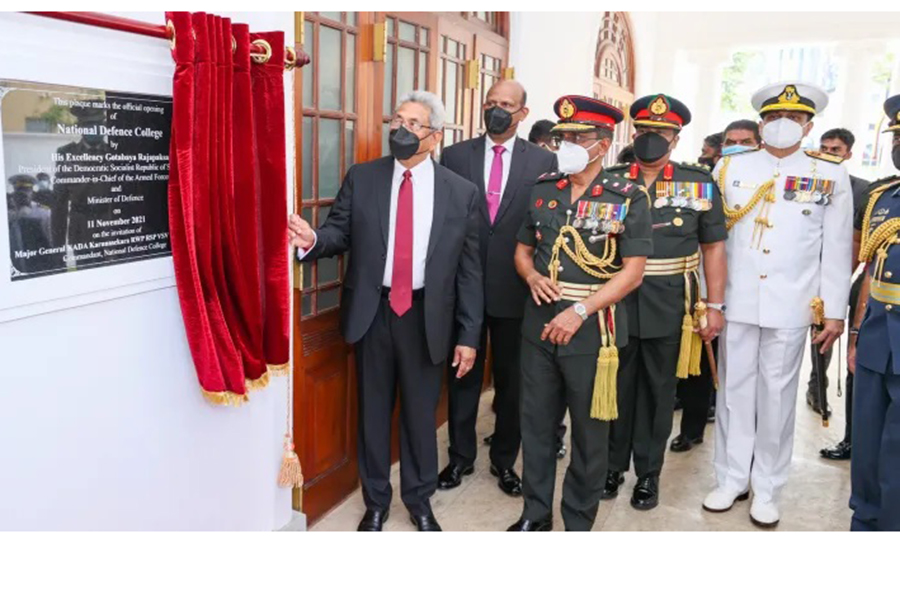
point(401, 279)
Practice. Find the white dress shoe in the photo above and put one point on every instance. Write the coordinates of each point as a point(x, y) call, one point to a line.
point(764, 513)
point(721, 499)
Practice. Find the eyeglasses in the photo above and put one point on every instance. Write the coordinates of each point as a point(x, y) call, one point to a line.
point(575, 138)
point(413, 126)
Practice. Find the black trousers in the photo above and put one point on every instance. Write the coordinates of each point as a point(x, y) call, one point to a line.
point(646, 404)
point(506, 344)
point(394, 351)
point(551, 383)
point(697, 393)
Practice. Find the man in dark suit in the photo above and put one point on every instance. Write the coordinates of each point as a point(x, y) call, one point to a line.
point(411, 227)
point(504, 168)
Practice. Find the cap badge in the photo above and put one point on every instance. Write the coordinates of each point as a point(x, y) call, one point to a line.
point(789, 94)
point(659, 106)
point(566, 109)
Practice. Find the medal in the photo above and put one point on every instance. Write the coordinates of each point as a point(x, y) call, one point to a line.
point(578, 223)
point(790, 195)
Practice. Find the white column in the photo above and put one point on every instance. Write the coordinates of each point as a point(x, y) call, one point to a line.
point(849, 106)
point(702, 92)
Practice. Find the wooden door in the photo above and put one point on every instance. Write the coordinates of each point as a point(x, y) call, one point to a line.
point(325, 414)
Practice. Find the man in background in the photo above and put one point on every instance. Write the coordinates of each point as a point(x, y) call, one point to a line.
point(740, 136)
point(540, 135)
point(711, 150)
point(504, 168)
point(839, 142)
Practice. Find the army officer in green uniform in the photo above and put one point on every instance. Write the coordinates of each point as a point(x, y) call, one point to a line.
point(582, 248)
point(667, 327)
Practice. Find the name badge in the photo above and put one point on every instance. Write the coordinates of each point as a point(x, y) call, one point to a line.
point(808, 190)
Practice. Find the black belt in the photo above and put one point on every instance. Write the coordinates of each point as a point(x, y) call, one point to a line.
point(416, 295)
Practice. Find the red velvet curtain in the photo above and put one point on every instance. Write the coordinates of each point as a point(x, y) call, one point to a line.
point(268, 110)
point(215, 203)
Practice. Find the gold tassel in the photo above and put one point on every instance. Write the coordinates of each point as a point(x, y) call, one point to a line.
point(684, 352)
point(609, 409)
point(601, 384)
point(696, 353)
point(290, 474)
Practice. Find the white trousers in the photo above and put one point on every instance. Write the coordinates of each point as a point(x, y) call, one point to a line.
point(759, 369)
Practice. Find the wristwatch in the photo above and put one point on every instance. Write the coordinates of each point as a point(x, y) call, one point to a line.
point(716, 306)
point(580, 310)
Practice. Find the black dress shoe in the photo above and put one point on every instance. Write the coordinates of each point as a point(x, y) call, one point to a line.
point(841, 451)
point(452, 476)
point(529, 525)
point(425, 522)
point(373, 520)
point(560, 449)
point(682, 443)
point(711, 413)
point(489, 439)
point(646, 493)
point(507, 480)
point(613, 480)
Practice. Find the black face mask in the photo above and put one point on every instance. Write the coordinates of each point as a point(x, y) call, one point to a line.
point(650, 147)
point(497, 120)
point(707, 161)
point(895, 156)
point(404, 143)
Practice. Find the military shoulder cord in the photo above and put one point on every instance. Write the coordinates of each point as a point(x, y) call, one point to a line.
point(581, 256)
point(878, 242)
point(733, 216)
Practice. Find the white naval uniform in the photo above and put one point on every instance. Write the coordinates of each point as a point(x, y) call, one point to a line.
point(803, 253)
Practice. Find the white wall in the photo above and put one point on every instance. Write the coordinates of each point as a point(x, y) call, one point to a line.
point(102, 425)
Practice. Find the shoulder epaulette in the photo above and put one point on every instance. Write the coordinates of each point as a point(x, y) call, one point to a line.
point(621, 185)
point(890, 179)
point(691, 166)
point(552, 175)
point(824, 156)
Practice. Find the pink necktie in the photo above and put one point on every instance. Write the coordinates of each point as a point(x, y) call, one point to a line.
point(495, 183)
point(401, 279)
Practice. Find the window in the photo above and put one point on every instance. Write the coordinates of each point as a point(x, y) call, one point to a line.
point(451, 75)
point(490, 72)
point(328, 132)
point(405, 66)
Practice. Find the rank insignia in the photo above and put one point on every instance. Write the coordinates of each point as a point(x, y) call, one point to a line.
point(627, 187)
point(561, 184)
point(552, 204)
point(596, 190)
point(539, 203)
point(538, 235)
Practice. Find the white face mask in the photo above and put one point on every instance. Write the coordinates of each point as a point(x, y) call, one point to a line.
point(782, 133)
point(573, 158)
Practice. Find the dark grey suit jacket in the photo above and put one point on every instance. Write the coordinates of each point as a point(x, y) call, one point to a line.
point(359, 222)
point(504, 290)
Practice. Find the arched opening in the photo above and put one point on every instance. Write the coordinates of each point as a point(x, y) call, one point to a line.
point(614, 73)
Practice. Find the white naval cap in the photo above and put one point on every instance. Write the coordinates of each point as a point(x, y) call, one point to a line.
point(790, 95)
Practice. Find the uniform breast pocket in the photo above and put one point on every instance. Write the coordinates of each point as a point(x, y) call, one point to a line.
point(672, 221)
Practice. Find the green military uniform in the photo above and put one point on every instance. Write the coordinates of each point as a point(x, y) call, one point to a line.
point(686, 212)
point(612, 220)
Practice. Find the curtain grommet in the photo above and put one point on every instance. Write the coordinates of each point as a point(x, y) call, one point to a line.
point(290, 58)
point(263, 58)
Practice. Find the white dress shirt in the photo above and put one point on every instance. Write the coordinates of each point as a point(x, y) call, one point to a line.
point(489, 144)
point(423, 213)
point(804, 252)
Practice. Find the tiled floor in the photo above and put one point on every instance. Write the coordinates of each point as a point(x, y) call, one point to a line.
point(814, 499)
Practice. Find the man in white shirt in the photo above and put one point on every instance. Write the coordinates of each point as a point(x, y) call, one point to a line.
point(411, 228)
point(790, 218)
